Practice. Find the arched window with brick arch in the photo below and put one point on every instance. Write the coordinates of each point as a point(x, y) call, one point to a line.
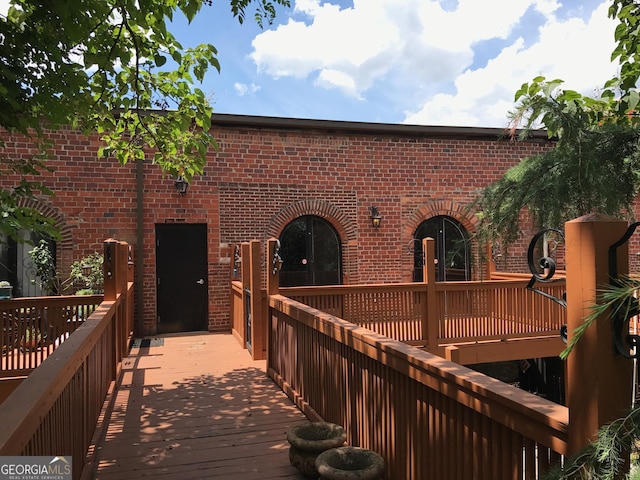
point(16, 265)
point(452, 249)
point(311, 251)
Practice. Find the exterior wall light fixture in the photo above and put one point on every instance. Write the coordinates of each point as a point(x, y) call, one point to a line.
point(376, 218)
point(182, 185)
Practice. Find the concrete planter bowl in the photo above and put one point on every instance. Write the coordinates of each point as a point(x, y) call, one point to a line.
point(350, 463)
point(5, 292)
point(309, 440)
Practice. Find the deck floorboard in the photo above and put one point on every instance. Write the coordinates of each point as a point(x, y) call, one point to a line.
point(195, 406)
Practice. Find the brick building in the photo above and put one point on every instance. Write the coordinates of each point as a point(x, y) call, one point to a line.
point(310, 183)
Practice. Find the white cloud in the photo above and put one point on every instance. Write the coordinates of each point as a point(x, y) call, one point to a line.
point(329, 78)
point(573, 51)
point(349, 41)
point(242, 89)
point(375, 39)
point(435, 62)
point(4, 7)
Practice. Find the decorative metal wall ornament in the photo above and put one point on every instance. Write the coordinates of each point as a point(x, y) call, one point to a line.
point(277, 261)
point(547, 266)
point(496, 252)
point(237, 261)
point(625, 310)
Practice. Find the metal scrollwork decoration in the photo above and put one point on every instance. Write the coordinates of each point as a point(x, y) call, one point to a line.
point(237, 261)
point(544, 269)
point(626, 309)
point(546, 263)
point(277, 261)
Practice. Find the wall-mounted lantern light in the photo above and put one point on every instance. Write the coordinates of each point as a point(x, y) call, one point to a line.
point(182, 185)
point(86, 269)
point(376, 218)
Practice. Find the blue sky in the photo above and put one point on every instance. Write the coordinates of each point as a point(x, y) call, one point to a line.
point(422, 62)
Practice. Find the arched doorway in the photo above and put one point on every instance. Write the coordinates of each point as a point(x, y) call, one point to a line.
point(452, 249)
point(311, 252)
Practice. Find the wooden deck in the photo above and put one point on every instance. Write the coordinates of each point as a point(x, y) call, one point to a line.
point(195, 406)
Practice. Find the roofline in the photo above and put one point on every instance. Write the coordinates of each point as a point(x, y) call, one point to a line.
point(339, 126)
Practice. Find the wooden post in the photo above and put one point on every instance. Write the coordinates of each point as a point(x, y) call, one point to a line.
point(491, 263)
point(273, 288)
point(599, 383)
point(245, 278)
point(116, 274)
point(430, 316)
point(258, 326)
point(233, 275)
point(273, 277)
point(109, 265)
point(122, 268)
point(130, 279)
point(130, 263)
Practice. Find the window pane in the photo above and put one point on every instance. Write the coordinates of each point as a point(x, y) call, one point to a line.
point(326, 254)
point(310, 249)
point(451, 249)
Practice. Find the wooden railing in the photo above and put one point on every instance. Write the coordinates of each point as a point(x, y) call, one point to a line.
point(237, 318)
point(394, 310)
point(248, 299)
point(55, 410)
point(464, 311)
point(497, 310)
point(428, 417)
point(33, 327)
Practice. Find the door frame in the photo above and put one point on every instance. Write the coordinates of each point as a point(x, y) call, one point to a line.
point(199, 235)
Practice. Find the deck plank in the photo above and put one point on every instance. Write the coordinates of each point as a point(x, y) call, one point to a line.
point(196, 407)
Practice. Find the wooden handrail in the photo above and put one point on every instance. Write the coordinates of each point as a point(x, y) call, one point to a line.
point(445, 313)
point(55, 410)
point(33, 327)
point(416, 409)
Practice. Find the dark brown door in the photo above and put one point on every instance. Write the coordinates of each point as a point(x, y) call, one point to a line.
point(181, 277)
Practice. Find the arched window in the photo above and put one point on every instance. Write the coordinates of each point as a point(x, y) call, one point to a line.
point(310, 250)
point(18, 268)
point(452, 249)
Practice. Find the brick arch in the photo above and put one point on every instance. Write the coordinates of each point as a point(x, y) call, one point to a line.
point(320, 208)
point(449, 208)
point(66, 240)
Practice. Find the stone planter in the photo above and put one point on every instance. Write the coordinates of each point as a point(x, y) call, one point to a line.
point(309, 440)
point(350, 463)
point(5, 292)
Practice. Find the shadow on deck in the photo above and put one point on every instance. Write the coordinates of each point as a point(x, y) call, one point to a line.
point(195, 406)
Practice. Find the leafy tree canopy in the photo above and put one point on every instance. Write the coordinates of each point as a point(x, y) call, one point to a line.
point(103, 66)
point(594, 166)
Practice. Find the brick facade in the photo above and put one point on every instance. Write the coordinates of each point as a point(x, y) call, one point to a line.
point(266, 173)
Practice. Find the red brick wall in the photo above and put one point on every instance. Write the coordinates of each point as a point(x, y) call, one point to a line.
point(265, 174)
